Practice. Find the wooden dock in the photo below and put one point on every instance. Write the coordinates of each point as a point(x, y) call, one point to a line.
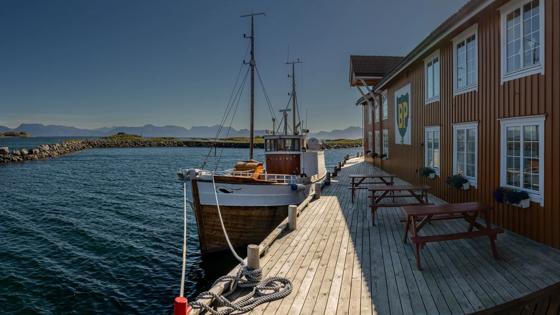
point(340, 263)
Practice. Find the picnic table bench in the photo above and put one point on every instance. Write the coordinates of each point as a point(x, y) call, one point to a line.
point(379, 193)
point(417, 216)
point(372, 179)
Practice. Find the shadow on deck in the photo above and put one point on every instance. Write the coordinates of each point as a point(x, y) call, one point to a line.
point(340, 263)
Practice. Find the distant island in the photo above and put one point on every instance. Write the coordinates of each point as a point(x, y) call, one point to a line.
point(19, 134)
point(124, 140)
point(41, 130)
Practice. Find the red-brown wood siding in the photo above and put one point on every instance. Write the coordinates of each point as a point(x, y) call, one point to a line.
point(532, 95)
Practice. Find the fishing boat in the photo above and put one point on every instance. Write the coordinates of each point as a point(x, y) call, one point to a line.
point(253, 197)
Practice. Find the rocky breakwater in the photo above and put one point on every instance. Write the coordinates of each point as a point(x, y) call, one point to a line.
point(44, 151)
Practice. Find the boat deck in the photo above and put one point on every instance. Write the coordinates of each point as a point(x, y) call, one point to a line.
point(340, 263)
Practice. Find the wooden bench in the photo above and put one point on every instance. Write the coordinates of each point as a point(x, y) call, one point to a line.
point(376, 179)
point(419, 193)
point(417, 216)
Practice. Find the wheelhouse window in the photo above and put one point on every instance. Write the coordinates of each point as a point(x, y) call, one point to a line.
point(522, 155)
point(370, 141)
point(465, 57)
point(465, 150)
point(432, 148)
point(384, 105)
point(386, 143)
point(432, 77)
point(522, 38)
point(283, 144)
point(376, 114)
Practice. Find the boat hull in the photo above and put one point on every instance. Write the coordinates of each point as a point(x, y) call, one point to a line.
point(250, 212)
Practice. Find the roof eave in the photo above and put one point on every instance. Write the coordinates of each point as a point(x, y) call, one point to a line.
point(429, 42)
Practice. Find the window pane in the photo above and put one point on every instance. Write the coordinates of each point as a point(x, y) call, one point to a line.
point(436, 77)
point(461, 66)
point(513, 41)
point(513, 167)
point(471, 60)
point(531, 157)
point(430, 83)
point(531, 36)
point(436, 149)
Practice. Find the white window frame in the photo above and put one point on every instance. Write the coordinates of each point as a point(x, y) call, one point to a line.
point(385, 105)
point(385, 138)
point(377, 140)
point(376, 108)
point(466, 126)
point(472, 30)
point(426, 130)
point(523, 72)
point(535, 196)
point(435, 98)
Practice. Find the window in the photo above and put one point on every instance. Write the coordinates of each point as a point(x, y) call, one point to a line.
point(369, 114)
point(465, 150)
point(465, 57)
point(377, 142)
point(385, 105)
point(386, 143)
point(431, 146)
point(432, 73)
point(522, 38)
point(376, 114)
point(522, 155)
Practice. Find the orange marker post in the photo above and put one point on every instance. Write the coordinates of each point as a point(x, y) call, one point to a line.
point(181, 306)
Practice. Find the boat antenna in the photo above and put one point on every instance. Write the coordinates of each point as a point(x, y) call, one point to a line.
point(285, 119)
point(252, 64)
point(293, 95)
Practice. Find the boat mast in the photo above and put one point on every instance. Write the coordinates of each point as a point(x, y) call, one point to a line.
point(252, 64)
point(293, 94)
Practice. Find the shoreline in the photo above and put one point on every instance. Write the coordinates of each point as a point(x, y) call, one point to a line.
point(48, 151)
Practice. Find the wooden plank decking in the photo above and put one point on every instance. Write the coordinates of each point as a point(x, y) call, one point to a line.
point(340, 263)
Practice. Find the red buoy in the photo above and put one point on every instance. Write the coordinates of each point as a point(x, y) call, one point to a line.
point(181, 306)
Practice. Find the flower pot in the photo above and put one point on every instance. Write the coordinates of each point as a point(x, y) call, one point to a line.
point(466, 186)
point(525, 203)
point(432, 176)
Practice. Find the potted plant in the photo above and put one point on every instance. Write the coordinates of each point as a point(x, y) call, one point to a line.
point(428, 172)
point(459, 182)
point(514, 197)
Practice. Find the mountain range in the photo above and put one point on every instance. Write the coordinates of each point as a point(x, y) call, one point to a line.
point(40, 130)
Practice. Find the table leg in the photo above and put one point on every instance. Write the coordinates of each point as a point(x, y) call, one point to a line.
point(417, 244)
point(492, 236)
point(407, 226)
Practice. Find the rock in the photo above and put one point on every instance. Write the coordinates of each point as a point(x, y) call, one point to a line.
point(16, 153)
point(24, 152)
point(4, 150)
point(35, 151)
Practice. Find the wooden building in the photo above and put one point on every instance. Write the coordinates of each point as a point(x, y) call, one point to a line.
point(480, 97)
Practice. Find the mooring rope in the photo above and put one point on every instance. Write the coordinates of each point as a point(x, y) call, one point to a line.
point(263, 291)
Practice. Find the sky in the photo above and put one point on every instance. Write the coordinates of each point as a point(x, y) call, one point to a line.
point(108, 63)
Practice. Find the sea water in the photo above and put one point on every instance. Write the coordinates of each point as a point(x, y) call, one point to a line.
point(100, 231)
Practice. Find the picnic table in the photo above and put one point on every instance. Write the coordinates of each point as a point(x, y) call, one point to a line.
point(379, 193)
point(369, 179)
point(417, 216)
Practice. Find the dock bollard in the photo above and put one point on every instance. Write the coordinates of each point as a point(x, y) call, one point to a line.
point(292, 217)
point(181, 306)
point(253, 256)
point(317, 190)
point(339, 165)
point(328, 179)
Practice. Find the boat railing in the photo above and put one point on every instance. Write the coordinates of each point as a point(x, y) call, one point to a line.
point(279, 178)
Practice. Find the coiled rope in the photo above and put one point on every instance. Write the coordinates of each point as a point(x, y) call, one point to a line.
point(263, 291)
